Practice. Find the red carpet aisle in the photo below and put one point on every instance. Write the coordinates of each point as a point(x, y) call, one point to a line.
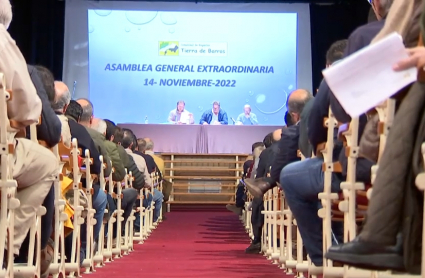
point(193, 244)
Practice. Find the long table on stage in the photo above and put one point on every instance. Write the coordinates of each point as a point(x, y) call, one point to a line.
point(205, 139)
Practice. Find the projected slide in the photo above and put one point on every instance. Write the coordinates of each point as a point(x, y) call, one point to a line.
point(141, 63)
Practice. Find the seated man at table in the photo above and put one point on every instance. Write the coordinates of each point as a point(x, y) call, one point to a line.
point(180, 116)
point(216, 116)
point(247, 117)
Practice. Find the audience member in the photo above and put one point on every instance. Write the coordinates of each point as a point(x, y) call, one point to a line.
point(35, 167)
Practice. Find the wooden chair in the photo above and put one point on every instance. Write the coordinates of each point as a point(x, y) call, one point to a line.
point(33, 264)
point(125, 240)
point(116, 250)
point(8, 185)
point(73, 266)
point(98, 257)
point(57, 267)
point(107, 252)
point(327, 197)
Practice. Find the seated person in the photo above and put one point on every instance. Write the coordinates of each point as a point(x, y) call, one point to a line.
point(127, 142)
point(85, 141)
point(287, 145)
point(247, 117)
point(257, 219)
point(303, 181)
point(180, 115)
point(257, 148)
point(216, 116)
point(35, 167)
point(49, 131)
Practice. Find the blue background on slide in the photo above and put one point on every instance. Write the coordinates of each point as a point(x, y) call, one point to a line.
point(131, 37)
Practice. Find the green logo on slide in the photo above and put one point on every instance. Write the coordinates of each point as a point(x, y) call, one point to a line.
point(168, 48)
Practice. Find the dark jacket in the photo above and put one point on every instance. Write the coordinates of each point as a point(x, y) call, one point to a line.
point(317, 133)
point(208, 115)
point(287, 152)
point(303, 143)
point(150, 163)
point(128, 162)
point(85, 143)
point(266, 160)
point(50, 128)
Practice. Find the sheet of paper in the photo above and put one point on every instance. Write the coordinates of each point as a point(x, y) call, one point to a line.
point(366, 78)
point(184, 118)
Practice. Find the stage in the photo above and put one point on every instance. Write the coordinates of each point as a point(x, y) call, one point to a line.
point(203, 139)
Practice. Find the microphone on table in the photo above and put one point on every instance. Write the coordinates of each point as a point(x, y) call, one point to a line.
point(73, 88)
point(233, 120)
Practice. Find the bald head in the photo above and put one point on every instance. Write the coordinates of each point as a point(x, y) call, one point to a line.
point(149, 144)
point(62, 97)
point(296, 102)
point(277, 134)
point(87, 116)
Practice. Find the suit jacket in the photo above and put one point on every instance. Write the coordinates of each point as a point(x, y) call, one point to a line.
point(303, 143)
point(50, 128)
point(287, 152)
point(266, 160)
point(85, 142)
point(208, 115)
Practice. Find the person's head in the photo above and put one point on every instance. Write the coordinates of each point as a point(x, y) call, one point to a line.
point(99, 125)
point(335, 52)
point(288, 119)
point(216, 107)
point(296, 102)
point(381, 7)
point(87, 116)
point(118, 136)
point(74, 110)
point(110, 130)
point(149, 144)
point(257, 148)
point(62, 97)
point(276, 135)
point(48, 81)
point(141, 143)
point(268, 140)
point(247, 109)
point(180, 106)
point(127, 140)
point(5, 13)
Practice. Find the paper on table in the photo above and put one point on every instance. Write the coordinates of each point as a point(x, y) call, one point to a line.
point(366, 78)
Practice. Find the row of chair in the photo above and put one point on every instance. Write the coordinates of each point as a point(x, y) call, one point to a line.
point(73, 168)
point(349, 206)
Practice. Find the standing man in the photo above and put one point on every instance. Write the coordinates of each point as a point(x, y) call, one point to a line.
point(216, 116)
point(247, 118)
point(180, 116)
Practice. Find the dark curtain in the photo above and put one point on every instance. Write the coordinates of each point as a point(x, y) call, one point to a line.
point(330, 23)
point(38, 28)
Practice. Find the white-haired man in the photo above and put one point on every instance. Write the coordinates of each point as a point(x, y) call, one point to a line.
point(35, 167)
point(247, 117)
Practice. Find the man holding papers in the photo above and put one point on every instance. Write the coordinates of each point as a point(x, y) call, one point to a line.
point(180, 116)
